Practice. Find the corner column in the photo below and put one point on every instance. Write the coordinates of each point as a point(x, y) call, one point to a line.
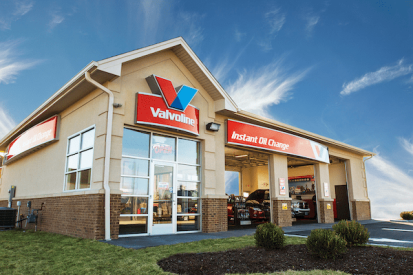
point(325, 212)
point(214, 214)
point(280, 200)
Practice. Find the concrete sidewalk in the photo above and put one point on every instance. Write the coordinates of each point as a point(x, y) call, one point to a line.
point(150, 241)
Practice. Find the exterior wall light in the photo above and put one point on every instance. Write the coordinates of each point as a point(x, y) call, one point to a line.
point(213, 126)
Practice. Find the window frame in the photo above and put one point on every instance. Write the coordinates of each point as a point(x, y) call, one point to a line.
point(78, 152)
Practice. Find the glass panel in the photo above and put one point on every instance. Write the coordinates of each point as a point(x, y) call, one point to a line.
point(134, 186)
point(72, 163)
point(186, 172)
point(88, 139)
point(135, 167)
point(188, 151)
point(86, 159)
point(162, 197)
point(134, 205)
point(163, 147)
point(188, 189)
point(133, 225)
point(188, 223)
point(74, 144)
point(163, 187)
point(84, 180)
point(162, 212)
point(71, 181)
point(186, 206)
point(135, 143)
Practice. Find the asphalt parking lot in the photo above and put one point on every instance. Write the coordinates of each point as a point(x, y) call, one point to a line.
point(381, 233)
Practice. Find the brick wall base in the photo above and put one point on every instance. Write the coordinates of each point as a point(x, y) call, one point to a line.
point(361, 210)
point(81, 216)
point(214, 215)
point(326, 215)
point(281, 217)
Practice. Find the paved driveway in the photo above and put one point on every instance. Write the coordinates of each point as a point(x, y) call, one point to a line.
point(381, 233)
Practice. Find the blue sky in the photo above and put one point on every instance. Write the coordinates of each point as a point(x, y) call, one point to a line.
point(342, 69)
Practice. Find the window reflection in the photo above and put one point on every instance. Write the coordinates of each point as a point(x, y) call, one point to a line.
point(187, 172)
point(134, 186)
point(188, 151)
point(135, 143)
point(135, 167)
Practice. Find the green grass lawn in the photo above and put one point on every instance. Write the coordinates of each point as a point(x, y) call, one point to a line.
point(45, 253)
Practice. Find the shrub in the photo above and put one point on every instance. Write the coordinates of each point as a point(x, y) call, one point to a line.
point(406, 215)
point(325, 243)
point(353, 232)
point(269, 236)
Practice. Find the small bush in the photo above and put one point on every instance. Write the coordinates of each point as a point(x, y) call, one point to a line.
point(269, 236)
point(406, 215)
point(325, 244)
point(353, 232)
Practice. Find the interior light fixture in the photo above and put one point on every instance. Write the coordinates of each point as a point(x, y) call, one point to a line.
point(241, 156)
point(213, 126)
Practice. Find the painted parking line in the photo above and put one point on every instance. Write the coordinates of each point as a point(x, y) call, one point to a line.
point(396, 229)
point(385, 240)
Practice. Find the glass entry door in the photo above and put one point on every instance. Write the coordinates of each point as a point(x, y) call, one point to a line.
point(163, 198)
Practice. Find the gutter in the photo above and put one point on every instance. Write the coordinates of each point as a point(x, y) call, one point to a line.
point(107, 152)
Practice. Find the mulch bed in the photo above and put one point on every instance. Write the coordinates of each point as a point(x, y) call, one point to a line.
point(357, 260)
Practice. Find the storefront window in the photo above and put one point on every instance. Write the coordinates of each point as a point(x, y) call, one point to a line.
point(134, 182)
point(135, 144)
point(79, 160)
point(139, 209)
point(188, 151)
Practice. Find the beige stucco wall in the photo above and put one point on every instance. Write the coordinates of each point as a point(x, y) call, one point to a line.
point(356, 173)
point(41, 173)
point(337, 173)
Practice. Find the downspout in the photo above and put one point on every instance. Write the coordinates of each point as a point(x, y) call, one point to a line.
point(107, 153)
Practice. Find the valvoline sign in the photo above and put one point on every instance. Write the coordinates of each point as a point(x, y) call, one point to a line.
point(167, 106)
point(249, 135)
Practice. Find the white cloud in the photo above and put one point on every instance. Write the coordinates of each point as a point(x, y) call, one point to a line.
point(225, 65)
point(191, 32)
point(311, 22)
point(10, 64)
point(407, 145)
point(23, 7)
point(11, 11)
point(239, 35)
point(6, 122)
point(275, 19)
point(255, 91)
point(56, 20)
point(390, 189)
point(154, 21)
point(383, 74)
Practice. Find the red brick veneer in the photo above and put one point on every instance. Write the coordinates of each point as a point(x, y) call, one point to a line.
point(214, 215)
point(80, 216)
point(282, 217)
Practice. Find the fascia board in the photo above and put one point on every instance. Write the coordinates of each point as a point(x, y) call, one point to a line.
point(43, 107)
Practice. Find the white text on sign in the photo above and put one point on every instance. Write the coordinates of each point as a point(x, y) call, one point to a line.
point(261, 140)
